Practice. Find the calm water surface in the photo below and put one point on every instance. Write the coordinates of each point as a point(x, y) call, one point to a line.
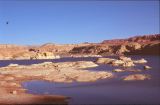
point(107, 91)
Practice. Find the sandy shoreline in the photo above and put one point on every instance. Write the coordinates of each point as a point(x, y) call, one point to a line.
point(11, 92)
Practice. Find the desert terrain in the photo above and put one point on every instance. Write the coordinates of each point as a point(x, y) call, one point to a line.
point(12, 75)
point(138, 45)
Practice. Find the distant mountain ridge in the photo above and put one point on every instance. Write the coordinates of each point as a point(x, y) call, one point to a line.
point(138, 45)
point(138, 39)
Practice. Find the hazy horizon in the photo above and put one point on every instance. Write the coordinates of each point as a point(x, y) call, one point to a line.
point(72, 22)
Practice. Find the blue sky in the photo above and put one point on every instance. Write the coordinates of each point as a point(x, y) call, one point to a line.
point(40, 21)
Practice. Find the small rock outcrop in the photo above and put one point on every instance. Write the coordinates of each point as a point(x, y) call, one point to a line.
point(135, 77)
point(123, 58)
point(104, 60)
point(13, 65)
point(140, 61)
point(130, 70)
point(121, 61)
point(133, 46)
point(45, 55)
point(128, 64)
point(118, 70)
point(147, 67)
point(117, 63)
point(78, 64)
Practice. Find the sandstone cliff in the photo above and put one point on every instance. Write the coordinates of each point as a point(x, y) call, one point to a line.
point(139, 39)
point(144, 45)
point(147, 44)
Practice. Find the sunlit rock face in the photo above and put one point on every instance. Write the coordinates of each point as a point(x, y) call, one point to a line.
point(45, 55)
point(147, 44)
point(122, 61)
point(138, 39)
point(94, 49)
point(139, 45)
point(151, 48)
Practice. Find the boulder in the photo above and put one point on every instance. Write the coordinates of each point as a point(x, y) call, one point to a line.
point(128, 64)
point(13, 65)
point(134, 77)
point(140, 61)
point(118, 70)
point(104, 60)
point(118, 63)
point(147, 67)
point(123, 58)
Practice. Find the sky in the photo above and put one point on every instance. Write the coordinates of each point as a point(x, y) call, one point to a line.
point(69, 22)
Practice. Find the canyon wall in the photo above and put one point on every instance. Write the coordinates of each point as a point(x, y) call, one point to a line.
point(138, 45)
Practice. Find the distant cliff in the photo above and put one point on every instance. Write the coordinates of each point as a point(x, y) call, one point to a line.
point(138, 45)
point(139, 39)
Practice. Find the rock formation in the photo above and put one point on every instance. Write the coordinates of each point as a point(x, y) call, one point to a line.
point(139, 45)
point(147, 67)
point(138, 39)
point(58, 72)
point(45, 55)
point(134, 77)
point(121, 61)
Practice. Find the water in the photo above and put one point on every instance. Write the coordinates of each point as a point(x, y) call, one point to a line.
point(29, 62)
point(107, 91)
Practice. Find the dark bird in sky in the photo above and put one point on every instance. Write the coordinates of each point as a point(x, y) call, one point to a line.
point(7, 22)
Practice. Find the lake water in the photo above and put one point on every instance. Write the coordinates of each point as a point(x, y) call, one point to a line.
point(107, 91)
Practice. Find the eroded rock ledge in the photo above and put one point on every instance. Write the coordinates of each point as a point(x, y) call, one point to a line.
point(13, 75)
point(58, 72)
point(121, 61)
